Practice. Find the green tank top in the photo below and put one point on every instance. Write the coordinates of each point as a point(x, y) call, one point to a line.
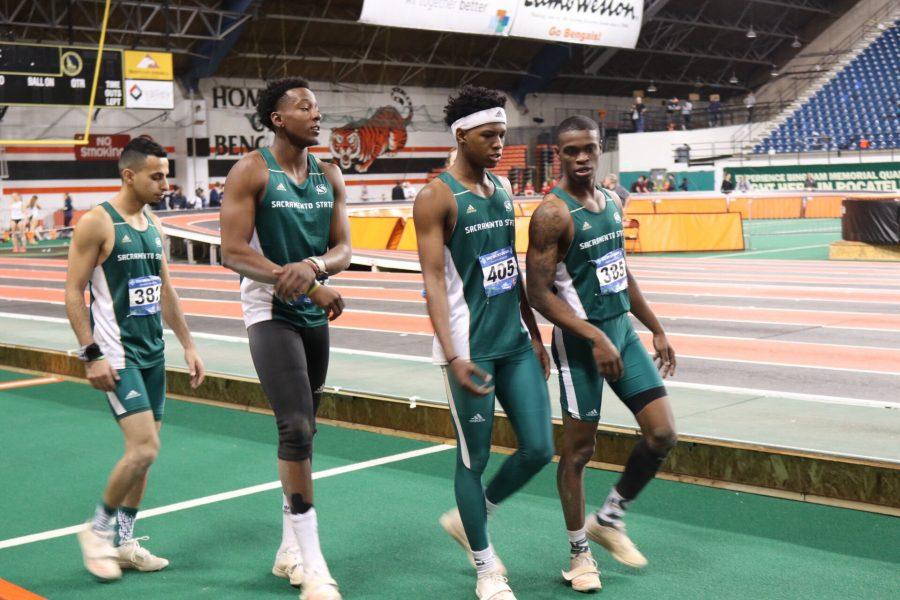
point(481, 272)
point(293, 222)
point(591, 277)
point(125, 297)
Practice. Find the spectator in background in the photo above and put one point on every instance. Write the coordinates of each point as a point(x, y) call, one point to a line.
point(639, 186)
point(750, 103)
point(649, 185)
point(409, 192)
point(612, 184)
point(177, 201)
point(68, 212)
point(727, 184)
point(669, 183)
point(715, 110)
point(673, 107)
point(35, 218)
point(200, 200)
point(397, 192)
point(684, 184)
point(686, 109)
point(810, 183)
point(637, 114)
point(215, 196)
point(744, 184)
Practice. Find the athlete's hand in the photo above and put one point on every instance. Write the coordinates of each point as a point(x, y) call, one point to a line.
point(607, 357)
point(330, 299)
point(195, 367)
point(543, 357)
point(101, 375)
point(464, 371)
point(665, 355)
point(293, 280)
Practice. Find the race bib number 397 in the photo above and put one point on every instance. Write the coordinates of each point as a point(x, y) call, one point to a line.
point(500, 271)
point(143, 295)
point(611, 272)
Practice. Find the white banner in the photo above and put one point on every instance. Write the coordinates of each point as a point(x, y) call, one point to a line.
point(144, 93)
point(488, 17)
point(591, 22)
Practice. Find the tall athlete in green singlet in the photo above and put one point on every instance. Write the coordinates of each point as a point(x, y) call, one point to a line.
point(117, 249)
point(284, 227)
point(579, 280)
point(486, 336)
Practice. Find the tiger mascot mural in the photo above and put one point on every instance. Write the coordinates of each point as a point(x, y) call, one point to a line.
point(359, 143)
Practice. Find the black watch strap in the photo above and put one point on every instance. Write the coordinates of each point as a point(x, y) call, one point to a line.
point(90, 353)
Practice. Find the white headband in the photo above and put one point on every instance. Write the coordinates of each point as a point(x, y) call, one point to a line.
point(482, 117)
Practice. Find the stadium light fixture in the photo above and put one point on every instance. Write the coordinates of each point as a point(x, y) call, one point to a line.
point(750, 33)
point(734, 80)
point(774, 71)
point(652, 87)
point(796, 43)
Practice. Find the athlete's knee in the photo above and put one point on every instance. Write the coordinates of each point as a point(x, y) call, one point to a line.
point(295, 435)
point(536, 456)
point(661, 439)
point(579, 453)
point(143, 454)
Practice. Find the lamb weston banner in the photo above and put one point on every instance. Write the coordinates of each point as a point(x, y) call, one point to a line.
point(590, 22)
point(856, 177)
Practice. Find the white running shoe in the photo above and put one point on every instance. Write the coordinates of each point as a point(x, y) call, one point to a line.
point(493, 586)
point(616, 541)
point(289, 565)
point(99, 554)
point(452, 524)
point(583, 574)
point(319, 587)
point(132, 555)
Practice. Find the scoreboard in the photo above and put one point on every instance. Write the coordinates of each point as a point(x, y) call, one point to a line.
point(33, 75)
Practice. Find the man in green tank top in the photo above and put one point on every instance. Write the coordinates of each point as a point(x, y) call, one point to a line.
point(284, 228)
point(579, 280)
point(117, 249)
point(485, 335)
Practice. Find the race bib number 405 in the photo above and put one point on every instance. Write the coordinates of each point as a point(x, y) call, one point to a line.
point(500, 271)
point(611, 272)
point(143, 295)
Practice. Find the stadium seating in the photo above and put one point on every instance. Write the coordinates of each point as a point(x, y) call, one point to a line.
point(858, 108)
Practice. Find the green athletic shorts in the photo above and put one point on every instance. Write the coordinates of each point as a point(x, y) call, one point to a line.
point(581, 384)
point(138, 390)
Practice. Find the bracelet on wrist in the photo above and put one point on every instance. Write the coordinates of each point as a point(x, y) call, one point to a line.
point(451, 360)
point(315, 285)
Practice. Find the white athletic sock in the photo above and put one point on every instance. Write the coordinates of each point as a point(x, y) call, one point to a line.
point(578, 543)
point(306, 531)
point(613, 510)
point(103, 519)
point(288, 539)
point(484, 561)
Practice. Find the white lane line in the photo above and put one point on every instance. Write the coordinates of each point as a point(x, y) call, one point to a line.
point(247, 491)
point(840, 400)
point(20, 383)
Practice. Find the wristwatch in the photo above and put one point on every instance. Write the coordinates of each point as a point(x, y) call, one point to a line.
point(90, 353)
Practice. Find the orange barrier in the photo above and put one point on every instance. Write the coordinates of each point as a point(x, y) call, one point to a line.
point(408, 237)
point(789, 207)
point(59, 218)
point(522, 234)
point(374, 233)
point(670, 206)
point(640, 207)
point(527, 208)
point(823, 207)
point(688, 233)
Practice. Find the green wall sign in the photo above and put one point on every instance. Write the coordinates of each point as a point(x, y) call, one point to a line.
point(862, 177)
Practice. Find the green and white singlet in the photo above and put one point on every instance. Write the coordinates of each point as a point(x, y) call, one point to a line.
point(293, 222)
point(481, 272)
point(125, 297)
point(592, 278)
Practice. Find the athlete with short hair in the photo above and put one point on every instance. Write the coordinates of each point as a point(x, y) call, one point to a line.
point(117, 248)
point(486, 336)
point(284, 228)
point(579, 280)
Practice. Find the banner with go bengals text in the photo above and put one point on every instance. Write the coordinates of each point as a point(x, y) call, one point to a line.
point(592, 22)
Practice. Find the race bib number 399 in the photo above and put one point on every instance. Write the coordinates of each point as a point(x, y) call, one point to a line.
point(611, 272)
point(143, 295)
point(500, 271)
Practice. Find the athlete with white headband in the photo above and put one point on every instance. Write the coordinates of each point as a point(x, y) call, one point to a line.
point(485, 336)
